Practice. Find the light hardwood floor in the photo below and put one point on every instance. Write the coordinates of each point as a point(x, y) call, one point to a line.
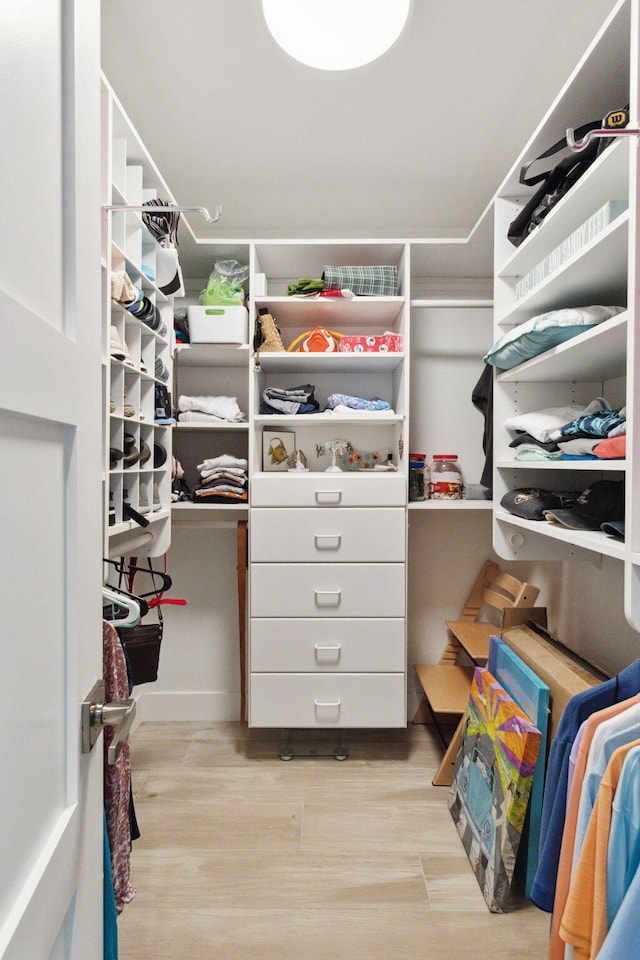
point(246, 857)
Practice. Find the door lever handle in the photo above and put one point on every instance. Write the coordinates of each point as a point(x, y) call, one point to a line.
point(96, 714)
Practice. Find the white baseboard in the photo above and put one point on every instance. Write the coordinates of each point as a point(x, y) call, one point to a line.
point(186, 705)
point(203, 707)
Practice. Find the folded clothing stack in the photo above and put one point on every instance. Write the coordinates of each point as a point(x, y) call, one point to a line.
point(209, 410)
point(223, 479)
point(289, 400)
point(570, 433)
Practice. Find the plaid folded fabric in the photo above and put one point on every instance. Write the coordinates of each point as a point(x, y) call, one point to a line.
point(363, 281)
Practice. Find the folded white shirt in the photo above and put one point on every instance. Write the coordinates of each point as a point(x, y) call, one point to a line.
point(226, 408)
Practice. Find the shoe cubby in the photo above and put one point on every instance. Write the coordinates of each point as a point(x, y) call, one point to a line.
point(145, 337)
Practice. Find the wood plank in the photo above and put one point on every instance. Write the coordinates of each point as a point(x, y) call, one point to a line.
point(473, 636)
point(446, 688)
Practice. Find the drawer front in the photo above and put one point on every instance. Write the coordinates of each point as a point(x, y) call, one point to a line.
point(328, 490)
point(339, 700)
point(327, 590)
point(327, 536)
point(329, 646)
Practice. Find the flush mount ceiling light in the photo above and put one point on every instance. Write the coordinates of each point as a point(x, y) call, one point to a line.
point(335, 34)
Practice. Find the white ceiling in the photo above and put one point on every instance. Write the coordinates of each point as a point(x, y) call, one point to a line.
point(413, 145)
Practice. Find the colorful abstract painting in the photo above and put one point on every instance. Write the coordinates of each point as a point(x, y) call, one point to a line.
point(491, 785)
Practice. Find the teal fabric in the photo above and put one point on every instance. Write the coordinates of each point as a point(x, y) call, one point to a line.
point(110, 939)
point(541, 333)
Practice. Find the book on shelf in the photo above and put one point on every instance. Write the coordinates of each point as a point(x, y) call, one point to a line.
point(569, 247)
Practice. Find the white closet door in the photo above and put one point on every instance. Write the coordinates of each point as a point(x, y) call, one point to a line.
point(50, 454)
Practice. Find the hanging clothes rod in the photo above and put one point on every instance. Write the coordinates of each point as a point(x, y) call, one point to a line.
point(118, 208)
point(577, 145)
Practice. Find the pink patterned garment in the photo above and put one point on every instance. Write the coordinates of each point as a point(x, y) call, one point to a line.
point(117, 776)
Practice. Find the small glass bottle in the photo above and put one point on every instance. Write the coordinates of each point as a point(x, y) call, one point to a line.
point(446, 477)
point(418, 490)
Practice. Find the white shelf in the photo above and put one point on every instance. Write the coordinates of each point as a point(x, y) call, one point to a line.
point(311, 419)
point(599, 353)
point(212, 354)
point(213, 427)
point(592, 540)
point(607, 179)
point(450, 505)
point(327, 311)
point(331, 362)
point(608, 466)
point(596, 274)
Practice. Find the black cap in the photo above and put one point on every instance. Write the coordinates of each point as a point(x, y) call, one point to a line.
point(602, 502)
point(530, 503)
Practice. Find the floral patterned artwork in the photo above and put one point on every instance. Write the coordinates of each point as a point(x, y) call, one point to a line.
point(491, 785)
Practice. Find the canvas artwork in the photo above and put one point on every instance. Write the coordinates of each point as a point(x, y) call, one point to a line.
point(532, 695)
point(277, 450)
point(491, 785)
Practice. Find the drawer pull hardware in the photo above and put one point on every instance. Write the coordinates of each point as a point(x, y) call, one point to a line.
point(319, 646)
point(334, 538)
point(327, 703)
point(328, 496)
point(328, 598)
point(327, 654)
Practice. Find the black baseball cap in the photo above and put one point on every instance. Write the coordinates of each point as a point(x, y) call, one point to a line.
point(530, 503)
point(602, 502)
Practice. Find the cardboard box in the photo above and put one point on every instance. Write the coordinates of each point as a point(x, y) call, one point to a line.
point(563, 671)
point(216, 324)
point(387, 343)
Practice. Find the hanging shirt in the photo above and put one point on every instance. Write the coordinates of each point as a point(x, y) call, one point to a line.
point(581, 706)
point(623, 939)
point(556, 950)
point(584, 922)
point(624, 842)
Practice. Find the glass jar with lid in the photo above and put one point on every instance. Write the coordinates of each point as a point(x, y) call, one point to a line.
point(446, 477)
point(418, 477)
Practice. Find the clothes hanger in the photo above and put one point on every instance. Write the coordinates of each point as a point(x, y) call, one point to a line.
point(124, 601)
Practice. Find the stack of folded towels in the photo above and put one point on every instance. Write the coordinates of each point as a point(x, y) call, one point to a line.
point(209, 410)
point(223, 479)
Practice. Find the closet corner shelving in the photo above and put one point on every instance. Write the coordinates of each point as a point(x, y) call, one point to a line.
point(600, 362)
point(207, 369)
point(129, 177)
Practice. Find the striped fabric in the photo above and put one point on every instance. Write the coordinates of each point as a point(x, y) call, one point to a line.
point(363, 281)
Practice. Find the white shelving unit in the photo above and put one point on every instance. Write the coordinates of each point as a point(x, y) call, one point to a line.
point(600, 362)
point(130, 178)
point(328, 550)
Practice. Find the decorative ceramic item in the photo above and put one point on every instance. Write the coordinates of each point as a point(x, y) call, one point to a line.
point(335, 448)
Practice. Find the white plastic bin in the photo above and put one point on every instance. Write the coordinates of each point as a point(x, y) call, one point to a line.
point(218, 324)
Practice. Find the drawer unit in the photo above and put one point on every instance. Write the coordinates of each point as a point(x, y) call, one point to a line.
point(327, 590)
point(332, 645)
point(327, 536)
point(328, 490)
point(322, 700)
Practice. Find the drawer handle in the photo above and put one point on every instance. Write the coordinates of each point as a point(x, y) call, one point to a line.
point(328, 496)
point(328, 598)
point(327, 654)
point(328, 703)
point(333, 538)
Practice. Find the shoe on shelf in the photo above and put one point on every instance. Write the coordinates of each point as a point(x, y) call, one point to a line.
point(118, 347)
point(128, 410)
point(157, 502)
point(144, 506)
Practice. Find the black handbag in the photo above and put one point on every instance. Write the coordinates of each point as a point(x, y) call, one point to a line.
point(142, 642)
point(142, 650)
point(555, 183)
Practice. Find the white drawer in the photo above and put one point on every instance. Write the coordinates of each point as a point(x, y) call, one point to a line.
point(338, 700)
point(327, 590)
point(328, 490)
point(327, 536)
point(329, 645)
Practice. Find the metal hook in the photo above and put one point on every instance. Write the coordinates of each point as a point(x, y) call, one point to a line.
point(577, 145)
point(169, 209)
